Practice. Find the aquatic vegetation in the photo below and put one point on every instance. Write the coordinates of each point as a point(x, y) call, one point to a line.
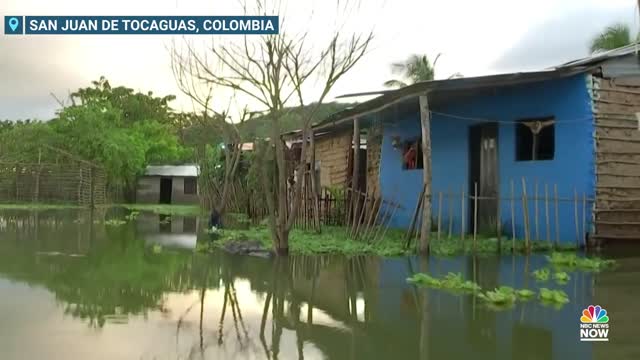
point(166, 220)
point(525, 294)
point(452, 281)
point(553, 297)
point(132, 215)
point(572, 261)
point(561, 277)
point(500, 298)
point(114, 222)
point(541, 274)
point(163, 209)
point(332, 240)
point(157, 248)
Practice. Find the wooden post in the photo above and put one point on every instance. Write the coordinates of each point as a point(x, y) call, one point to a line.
point(439, 213)
point(450, 209)
point(513, 217)
point(425, 123)
point(462, 221)
point(546, 211)
point(498, 221)
point(555, 191)
point(525, 214)
point(355, 178)
point(584, 217)
point(475, 215)
point(575, 198)
point(535, 216)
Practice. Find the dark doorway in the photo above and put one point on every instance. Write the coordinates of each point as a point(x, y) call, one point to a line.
point(483, 170)
point(166, 185)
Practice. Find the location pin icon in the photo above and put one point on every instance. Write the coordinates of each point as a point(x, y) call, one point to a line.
point(13, 23)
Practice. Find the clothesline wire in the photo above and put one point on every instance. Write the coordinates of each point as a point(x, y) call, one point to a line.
point(461, 117)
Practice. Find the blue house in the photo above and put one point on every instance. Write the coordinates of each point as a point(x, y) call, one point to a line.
point(552, 154)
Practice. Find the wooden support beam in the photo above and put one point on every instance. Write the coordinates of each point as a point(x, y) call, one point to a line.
point(425, 124)
point(355, 177)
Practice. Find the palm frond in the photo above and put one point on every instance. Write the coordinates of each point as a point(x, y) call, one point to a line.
point(394, 84)
point(613, 37)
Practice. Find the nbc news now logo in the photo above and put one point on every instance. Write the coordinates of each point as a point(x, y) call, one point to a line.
point(594, 324)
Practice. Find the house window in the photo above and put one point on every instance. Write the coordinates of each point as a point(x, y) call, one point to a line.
point(412, 155)
point(535, 139)
point(190, 186)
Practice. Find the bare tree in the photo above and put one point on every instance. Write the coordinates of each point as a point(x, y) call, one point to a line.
point(188, 78)
point(278, 73)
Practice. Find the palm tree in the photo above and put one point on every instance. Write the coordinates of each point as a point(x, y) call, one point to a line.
point(415, 69)
point(613, 37)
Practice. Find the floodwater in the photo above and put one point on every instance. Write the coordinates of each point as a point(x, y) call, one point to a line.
point(72, 289)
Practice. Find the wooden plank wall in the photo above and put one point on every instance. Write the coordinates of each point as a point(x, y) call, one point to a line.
point(617, 205)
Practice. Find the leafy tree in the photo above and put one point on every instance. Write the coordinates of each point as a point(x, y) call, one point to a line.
point(613, 37)
point(415, 69)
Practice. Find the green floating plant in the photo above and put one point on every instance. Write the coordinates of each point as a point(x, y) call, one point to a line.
point(500, 298)
point(561, 277)
point(132, 215)
point(541, 274)
point(572, 261)
point(556, 298)
point(114, 222)
point(454, 282)
point(157, 248)
point(525, 294)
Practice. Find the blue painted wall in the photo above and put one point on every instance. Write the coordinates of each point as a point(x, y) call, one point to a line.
point(573, 166)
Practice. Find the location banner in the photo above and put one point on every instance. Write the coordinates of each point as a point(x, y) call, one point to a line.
point(151, 25)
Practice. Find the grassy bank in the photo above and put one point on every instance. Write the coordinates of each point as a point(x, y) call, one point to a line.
point(332, 240)
point(37, 206)
point(335, 240)
point(180, 210)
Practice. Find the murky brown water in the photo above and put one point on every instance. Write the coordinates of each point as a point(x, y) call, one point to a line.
point(71, 289)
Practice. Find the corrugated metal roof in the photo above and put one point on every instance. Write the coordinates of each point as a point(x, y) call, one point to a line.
point(441, 89)
point(172, 170)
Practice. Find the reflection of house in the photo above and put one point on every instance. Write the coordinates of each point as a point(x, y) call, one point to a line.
point(170, 231)
point(168, 184)
point(557, 127)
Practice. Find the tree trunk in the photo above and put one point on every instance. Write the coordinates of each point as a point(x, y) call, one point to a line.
point(425, 122)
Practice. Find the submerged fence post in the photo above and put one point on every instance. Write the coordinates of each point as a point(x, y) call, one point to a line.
point(439, 212)
point(525, 214)
point(555, 190)
point(462, 222)
point(535, 206)
point(513, 217)
point(546, 211)
point(575, 199)
point(475, 214)
point(450, 209)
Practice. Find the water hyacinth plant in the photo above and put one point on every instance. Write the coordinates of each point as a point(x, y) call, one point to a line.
point(541, 274)
point(572, 261)
point(553, 297)
point(561, 277)
point(453, 282)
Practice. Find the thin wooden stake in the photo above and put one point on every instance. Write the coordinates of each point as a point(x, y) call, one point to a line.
point(555, 190)
point(575, 206)
point(475, 215)
point(546, 211)
point(584, 217)
point(535, 206)
point(513, 217)
point(462, 222)
point(416, 214)
point(450, 209)
point(499, 221)
point(525, 214)
point(439, 212)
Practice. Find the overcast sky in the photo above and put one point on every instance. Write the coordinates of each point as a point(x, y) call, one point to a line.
point(474, 37)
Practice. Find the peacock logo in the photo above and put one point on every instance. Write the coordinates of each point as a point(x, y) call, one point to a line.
point(594, 314)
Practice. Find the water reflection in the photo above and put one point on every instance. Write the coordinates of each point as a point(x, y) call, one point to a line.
point(105, 294)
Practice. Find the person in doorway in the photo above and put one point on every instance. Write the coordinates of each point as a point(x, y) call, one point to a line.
point(410, 157)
